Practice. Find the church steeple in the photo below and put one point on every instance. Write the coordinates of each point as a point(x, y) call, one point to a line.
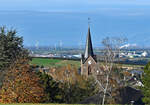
point(89, 48)
point(88, 59)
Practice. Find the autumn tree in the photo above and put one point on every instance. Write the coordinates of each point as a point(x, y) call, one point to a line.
point(74, 87)
point(21, 84)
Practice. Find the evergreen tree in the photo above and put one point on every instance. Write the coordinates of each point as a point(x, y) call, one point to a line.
point(51, 88)
point(146, 83)
point(11, 47)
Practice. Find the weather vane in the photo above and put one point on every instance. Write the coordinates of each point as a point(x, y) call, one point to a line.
point(89, 21)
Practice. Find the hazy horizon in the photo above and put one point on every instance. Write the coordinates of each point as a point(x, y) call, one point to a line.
point(65, 21)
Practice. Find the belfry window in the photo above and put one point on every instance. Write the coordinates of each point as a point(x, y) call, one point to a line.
point(89, 70)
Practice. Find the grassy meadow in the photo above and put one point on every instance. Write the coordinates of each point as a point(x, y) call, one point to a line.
point(47, 62)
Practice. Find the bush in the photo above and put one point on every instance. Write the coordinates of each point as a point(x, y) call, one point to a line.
point(21, 85)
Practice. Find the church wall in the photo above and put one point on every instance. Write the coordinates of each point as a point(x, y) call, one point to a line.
point(88, 67)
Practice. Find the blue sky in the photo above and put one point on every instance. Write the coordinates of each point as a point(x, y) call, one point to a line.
point(69, 5)
point(50, 22)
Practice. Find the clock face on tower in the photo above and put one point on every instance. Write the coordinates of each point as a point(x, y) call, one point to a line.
point(89, 62)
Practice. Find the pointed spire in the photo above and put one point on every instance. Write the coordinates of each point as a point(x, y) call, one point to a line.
point(89, 48)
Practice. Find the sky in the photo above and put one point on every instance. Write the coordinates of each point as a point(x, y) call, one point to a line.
point(55, 22)
point(71, 5)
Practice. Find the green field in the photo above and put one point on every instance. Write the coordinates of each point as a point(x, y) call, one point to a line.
point(47, 62)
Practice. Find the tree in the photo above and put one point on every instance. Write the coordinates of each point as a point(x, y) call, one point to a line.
point(11, 47)
point(146, 83)
point(74, 88)
point(21, 85)
point(51, 88)
point(105, 76)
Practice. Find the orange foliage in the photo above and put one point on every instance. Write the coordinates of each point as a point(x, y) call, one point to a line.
point(127, 73)
point(67, 74)
point(21, 85)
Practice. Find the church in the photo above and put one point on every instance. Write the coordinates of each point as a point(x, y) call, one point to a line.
point(88, 59)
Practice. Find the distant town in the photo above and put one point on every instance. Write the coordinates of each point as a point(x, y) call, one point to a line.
point(139, 56)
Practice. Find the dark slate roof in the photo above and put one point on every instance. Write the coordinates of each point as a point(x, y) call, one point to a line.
point(89, 48)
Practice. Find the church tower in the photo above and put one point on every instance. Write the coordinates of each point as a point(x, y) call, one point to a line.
point(88, 59)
